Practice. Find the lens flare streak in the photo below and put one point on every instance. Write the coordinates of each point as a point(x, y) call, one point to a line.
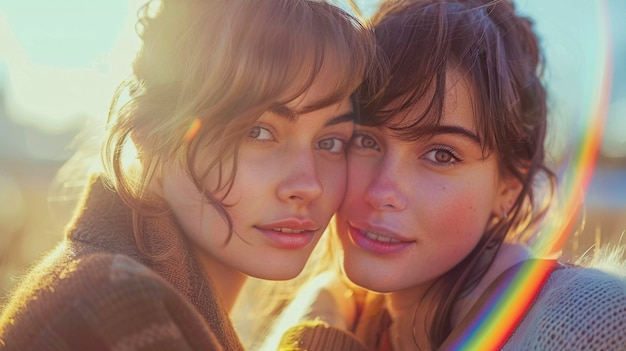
point(506, 308)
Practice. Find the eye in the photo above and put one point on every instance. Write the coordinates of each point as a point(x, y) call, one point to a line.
point(334, 145)
point(260, 133)
point(443, 156)
point(364, 141)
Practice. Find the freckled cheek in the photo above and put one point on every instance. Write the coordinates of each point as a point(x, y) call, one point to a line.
point(452, 213)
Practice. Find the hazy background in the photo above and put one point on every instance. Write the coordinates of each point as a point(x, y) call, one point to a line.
point(60, 62)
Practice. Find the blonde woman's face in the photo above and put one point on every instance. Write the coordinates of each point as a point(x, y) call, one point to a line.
point(291, 177)
point(413, 210)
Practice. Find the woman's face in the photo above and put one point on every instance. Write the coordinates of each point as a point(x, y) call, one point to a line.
point(290, 179)
point(413, 210)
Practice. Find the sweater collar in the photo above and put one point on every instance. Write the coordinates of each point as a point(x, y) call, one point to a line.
point(105, 224)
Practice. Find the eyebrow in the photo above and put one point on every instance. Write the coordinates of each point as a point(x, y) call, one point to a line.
point(346, 117)
point(289, 114)
point(281, 110)
point(456, 130)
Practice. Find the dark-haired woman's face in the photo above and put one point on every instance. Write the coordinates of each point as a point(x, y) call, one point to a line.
point(413, 210)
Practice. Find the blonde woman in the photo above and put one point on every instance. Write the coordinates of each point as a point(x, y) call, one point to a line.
point(240, 112)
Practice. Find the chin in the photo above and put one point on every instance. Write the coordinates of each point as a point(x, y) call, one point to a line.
point(282, 272)
point(364, 278)
point(370, 285)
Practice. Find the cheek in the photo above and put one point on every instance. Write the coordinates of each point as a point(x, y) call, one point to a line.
point(460, 211)
point(186, 202)
point(254, 177)
point(361, 172)
point(333, 176)
point(180, 192)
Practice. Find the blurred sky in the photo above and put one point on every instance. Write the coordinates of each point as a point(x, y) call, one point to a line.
point(61, 60)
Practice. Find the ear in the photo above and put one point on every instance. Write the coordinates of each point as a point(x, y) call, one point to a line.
point(509, 188)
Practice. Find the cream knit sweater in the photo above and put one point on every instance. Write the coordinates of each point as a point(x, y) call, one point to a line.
point(578, 308)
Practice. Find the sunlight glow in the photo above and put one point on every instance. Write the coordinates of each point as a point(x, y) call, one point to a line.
point(64, 59)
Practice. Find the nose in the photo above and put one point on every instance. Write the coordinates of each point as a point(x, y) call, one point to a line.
point(384, 192)
point(300, 183)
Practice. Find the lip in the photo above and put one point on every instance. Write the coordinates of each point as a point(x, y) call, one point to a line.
point(378, 240)
point(292, 233)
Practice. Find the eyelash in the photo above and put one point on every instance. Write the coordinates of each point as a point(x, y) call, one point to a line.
point(357, 141)
point(342, 145)
point(456, 158)
point(260, 129)
point(359, 137)
point(318, 144)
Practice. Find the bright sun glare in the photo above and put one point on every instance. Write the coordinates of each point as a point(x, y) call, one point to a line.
point(60, 61)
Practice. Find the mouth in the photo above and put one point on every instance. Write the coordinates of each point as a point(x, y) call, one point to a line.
point(290, 230)
point(378, 241)
point(378, 237)
point(290, 233)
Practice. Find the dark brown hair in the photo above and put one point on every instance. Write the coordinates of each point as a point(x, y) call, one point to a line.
point(497, 51)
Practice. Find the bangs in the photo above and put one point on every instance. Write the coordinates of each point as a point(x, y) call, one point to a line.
point(421, 49)
point(281, 48)
point(221, 64)
point(409, 102)
point(413, 114)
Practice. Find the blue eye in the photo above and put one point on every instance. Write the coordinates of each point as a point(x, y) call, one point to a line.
point(260, 133)
point(334, 145)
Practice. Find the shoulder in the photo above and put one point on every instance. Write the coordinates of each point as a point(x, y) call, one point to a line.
point(317, 335)
point(588, 273)
point(63, 275)
point(579, 308)
point(587, 286)
point(97, 301)
point(590, 289)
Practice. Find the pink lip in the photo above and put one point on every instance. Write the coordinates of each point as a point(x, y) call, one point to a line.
point(397, 244)
point(285, 238)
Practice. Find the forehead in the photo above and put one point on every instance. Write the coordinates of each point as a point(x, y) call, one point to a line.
point(458, 106)
point(323, 88)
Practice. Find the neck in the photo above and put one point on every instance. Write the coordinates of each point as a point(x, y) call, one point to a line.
point(508, 255)
point(403, 305)
point(403, 309)
point(226, 280)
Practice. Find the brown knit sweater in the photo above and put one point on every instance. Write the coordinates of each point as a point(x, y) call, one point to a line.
point(95, 292)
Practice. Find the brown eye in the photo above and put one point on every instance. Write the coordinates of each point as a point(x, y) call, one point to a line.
point(254, 132)
point(364, 141)
point(443, 156)
point(260, 133)
point(368, 142)
point(333, 145)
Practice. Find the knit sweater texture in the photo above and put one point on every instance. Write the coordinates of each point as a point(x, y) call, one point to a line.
point(96, 292)
point(578, 308)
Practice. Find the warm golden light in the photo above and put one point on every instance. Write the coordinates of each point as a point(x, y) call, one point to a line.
point(63, 59)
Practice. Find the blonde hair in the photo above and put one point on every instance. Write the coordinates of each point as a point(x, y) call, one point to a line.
point(206, 71)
